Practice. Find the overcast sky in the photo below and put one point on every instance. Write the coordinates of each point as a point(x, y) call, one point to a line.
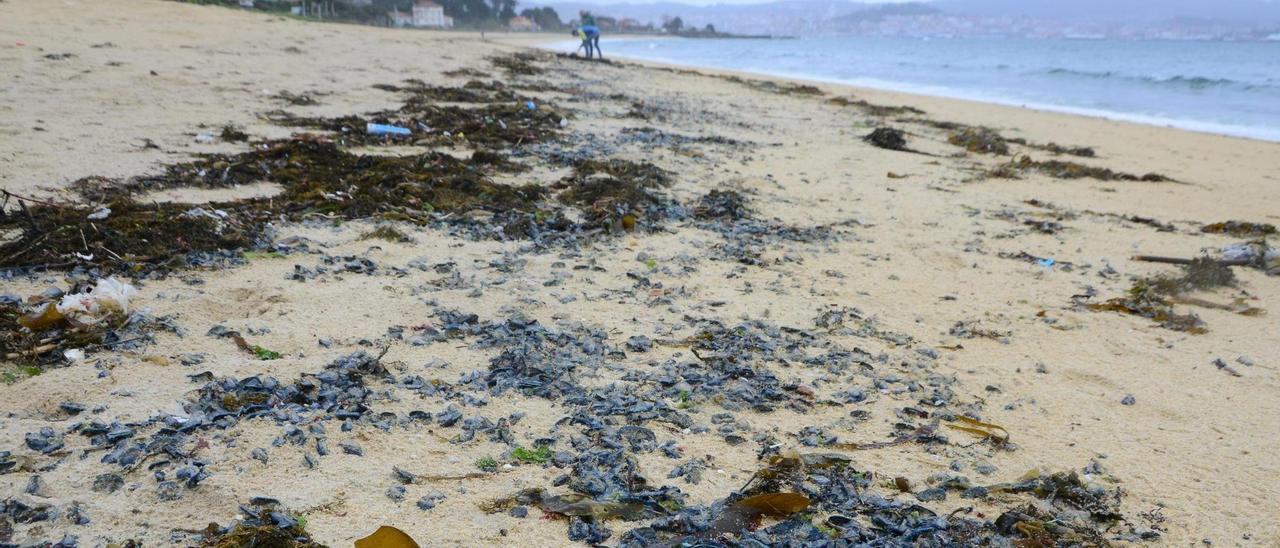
point(711, 2)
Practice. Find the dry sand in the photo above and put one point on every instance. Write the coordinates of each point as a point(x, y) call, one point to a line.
point(1200, 443)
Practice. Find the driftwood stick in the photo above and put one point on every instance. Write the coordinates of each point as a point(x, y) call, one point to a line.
point(1177, 260)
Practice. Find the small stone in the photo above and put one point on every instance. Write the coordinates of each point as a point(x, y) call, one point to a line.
point(168, 491)
point(396, 492)
point(431, 500)
point(71, 408)
point(932, 495)
point(639, 343)
point(519, 512)
point(1128, 400)
point(351, 448)
point(1245, 361)
point(108, 483)
point(37, 486)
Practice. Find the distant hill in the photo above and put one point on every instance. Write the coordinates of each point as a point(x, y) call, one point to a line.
point(792, 17)
point(782, 17)
point(1120, 11)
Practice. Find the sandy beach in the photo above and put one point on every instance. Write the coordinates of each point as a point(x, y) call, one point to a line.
point(956, 291)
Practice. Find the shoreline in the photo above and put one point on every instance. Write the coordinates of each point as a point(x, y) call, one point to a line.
point(1209, 128)
point(785, 285)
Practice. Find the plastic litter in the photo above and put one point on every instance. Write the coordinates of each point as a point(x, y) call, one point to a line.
point(109, 296)
point(1255, 252)
point(99, 214)
point(386, 129)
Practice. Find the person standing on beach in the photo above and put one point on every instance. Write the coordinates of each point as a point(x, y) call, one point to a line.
point(591, 33)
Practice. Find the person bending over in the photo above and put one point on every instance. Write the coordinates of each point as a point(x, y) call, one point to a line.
point(591, 34)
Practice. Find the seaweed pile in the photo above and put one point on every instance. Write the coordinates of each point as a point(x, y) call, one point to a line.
point(887, 138)
point(777, 87)
point(474, 91)
point(746, 236)
point(61, 236)
point(493, 125)
point(318, 179)
point(722, 204)
point(985, 140)
point(518, 64)
point(619, 193)
point(1240, 229)
point(1058, 169)
point(982, 140)
point(1155, 297)
point(872, 109)
point(265, 524)
point(32, 335)
point(821, 499)
point(597, 443)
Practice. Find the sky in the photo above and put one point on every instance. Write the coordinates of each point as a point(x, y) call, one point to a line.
point(713, 2)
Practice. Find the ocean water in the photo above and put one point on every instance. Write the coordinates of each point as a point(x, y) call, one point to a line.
point(1231, 88)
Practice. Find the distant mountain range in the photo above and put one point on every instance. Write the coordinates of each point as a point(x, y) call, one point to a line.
point(791, 17)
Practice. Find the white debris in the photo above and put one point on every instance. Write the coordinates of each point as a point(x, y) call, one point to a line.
point(99, 214)
point(110, 295)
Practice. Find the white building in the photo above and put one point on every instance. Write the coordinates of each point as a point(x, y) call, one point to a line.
point(425, 13)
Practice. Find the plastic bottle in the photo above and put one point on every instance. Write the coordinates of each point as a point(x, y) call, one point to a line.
point(384, 129)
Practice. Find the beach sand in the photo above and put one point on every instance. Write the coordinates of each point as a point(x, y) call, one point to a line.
point(922, 251)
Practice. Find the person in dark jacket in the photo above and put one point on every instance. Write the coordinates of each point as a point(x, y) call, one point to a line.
point(591, 33)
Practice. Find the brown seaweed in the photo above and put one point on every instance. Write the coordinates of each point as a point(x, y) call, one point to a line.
point(1058, 169)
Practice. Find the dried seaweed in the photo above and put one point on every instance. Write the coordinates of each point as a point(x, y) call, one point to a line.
point(233, 134)
point(618, 192)
point(1058, 510)
point(772, 86)
point(261, 527)
point(1154, 297)
point(722, 204)
point(517, 64)
point(466, 72)
point(874, 109)
point(887, 138)
point(60, 236)
point(923, 432)
point(1240, 229)
point(474, 91)
point(1058, 169)
point(494, 125)
point(994, 432)
point(980, 139)
point(1055, 148)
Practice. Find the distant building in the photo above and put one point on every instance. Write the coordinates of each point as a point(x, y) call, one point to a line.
point(425, 14)
point(246, 3)
point(521, 23)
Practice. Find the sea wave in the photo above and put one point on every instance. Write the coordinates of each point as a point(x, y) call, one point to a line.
point(1194, 82)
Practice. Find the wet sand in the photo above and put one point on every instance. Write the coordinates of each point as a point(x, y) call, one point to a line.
point(921, 251)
